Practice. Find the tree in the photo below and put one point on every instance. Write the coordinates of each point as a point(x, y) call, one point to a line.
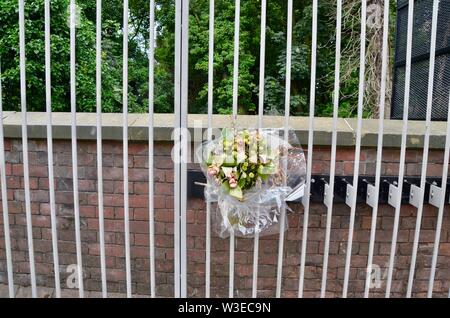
point(138, 43)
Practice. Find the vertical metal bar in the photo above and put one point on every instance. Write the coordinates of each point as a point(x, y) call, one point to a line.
point(425, 147)
point(403, 147)
point(126, 211)
point(312, 100)
point(9, 265)
point(98, 87)
point(177, 134)
point(382, 102)
point(440, 216)
point(287, 110)
point(151, 192)
point(51, 180)
point(329, 201)
point(73, 106)
point(181, 111)
point(354, 186)
point(262, 60)
point(237, 14)
point(262, 54)
point(210, 112)
point(184, 145)
point(26, 176)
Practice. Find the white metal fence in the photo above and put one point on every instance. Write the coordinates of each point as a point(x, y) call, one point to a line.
point(180, 167)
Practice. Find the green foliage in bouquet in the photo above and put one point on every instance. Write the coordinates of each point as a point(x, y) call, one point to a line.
point(241, 160)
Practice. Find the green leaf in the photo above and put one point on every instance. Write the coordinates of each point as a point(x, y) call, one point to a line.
point(237, 193)
point(226, 186)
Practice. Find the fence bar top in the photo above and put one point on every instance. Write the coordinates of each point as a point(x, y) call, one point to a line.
point(312, 100)
point(151, 192)
point(262, 54)
point(98, 87)
point(352, 189)
point(237, 13)
point(73, 106)
point(329, 188)
point(376, 188)
point(440, 216)
point(9, 265)
point(210, 112)
point(177, 137)
point(287, 101)
point(180, 124)
point(398, 189)
point(125, 149)
point(425, 148)
point(51, 180)
point(26, 175)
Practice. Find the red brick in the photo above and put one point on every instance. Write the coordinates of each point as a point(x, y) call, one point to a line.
point(138, 201)
point(320, 167)
point(41, 221)
point(13, 182)
point(169, 176)
point(112, 173)
point(435, 156)
point(139, 227)
point(8, 169)
point(34, 183)
point(37, 145)
point(164, 188)
point(444, 249)
point(87, 185)
point(138, 174)
point(140, 252)
point(17, 169)
point(43, 184)
point(114, 225)
point(163, 240)
point(138, 148)
point(38, 171)
point(89, 211)
point(140, 214)
point(140, 187)
point(164, 215)
point(92, 224)
point(113, 200)
point(345, 154)
point(163, 162)
point(140, 161)
point(118, 187)
point(115, 275)
point(434, 169)
point(392, 169)
point(348, 168)
point(141, 239)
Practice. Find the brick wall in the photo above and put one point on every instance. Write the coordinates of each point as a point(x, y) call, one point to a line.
point(163, 203)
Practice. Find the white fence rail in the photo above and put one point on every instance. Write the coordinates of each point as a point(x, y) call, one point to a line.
point(180, 167)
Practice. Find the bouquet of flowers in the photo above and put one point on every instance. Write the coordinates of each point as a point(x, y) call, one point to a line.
point(250, 173)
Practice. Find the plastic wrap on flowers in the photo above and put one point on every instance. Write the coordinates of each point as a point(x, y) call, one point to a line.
point(250, 173)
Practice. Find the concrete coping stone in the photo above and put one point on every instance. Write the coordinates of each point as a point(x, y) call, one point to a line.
point(163, 128)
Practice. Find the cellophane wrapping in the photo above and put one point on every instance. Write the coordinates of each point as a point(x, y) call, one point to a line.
point(262, 207)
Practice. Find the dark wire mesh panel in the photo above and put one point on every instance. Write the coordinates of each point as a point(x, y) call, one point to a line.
point(419, 90)
point(420, 61)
